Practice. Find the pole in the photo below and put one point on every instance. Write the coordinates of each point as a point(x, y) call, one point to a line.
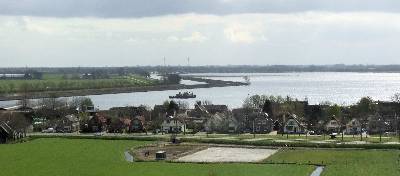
point(342, 135)
point(254, 133)
point(380, 130)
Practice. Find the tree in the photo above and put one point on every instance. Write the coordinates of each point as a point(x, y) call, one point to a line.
point(267, 108)
point(80, 103)
point(172, 79)
point(24, 102)
point(171, 107)
point(334, 110)
point(366, 106)
point(396, 97)
point(86, 102)
point(254, 102)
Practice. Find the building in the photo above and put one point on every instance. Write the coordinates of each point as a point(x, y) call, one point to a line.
point(293, 125)
point(333, 125)
point(353, 127)
point(138, 124)
point(97, 123)
point(173, 125)
point(216, 123)
point(233, 125)
point(212, 109)
point(8, 134)
point(68, 124)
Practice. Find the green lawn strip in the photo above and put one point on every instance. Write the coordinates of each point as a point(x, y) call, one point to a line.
point(266, 142)
point(57, 83)
point(345, 162)
point(62, 157)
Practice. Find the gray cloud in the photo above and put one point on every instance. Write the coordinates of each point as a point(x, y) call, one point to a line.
point(144, 8)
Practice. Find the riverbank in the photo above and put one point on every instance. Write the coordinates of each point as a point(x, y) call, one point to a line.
point(85, 92)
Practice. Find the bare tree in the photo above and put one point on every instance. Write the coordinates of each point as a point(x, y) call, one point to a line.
point(396, 97)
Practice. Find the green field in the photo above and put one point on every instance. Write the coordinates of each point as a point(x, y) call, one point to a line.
point(299, 138)
point(345, 162)
point(71, 157)
point(56, 82)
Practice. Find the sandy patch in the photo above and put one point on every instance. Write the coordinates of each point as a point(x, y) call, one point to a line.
point(225, 154)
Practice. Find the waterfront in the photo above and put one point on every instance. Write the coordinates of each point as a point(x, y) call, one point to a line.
point(342, 88)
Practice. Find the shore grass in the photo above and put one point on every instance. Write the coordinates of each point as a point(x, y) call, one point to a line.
point(65, 157)
point(54, 82)
point(345, 162)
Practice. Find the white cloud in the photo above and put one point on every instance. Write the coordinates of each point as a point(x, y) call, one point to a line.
point(173, 39)
point(238, 34)
point(315, 36)
point(195, 37)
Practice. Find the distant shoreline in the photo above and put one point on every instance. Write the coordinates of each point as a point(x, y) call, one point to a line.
point(87, 92)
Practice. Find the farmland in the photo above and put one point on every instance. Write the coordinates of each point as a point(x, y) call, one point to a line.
point(58, 82)
point(64, 157)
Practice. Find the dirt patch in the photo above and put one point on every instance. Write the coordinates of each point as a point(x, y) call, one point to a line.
point(173, 151)
point(228, 154)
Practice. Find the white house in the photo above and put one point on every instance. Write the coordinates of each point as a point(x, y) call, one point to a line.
point(353, 127)
point(292, 125)
point(333, 125)
point(173, 125)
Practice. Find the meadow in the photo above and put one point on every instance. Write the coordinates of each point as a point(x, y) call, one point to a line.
point(345, 161)
point(70, 157)
point(57, 82)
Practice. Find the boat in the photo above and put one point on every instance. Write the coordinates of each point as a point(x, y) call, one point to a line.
point(184, 95)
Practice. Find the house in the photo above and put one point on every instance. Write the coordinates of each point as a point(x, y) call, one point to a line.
point(261, 122)
point(138, 124)
point(242, 115)
point(212, 109)
point(131, 111)
point(97, 123)
point(159, 112)
point(173, 125)
point(7, 133)
point(199, 111)
point(233, 125)
point(377, 124)
point(293, 125)
point(333, 125)
point(68, 124)
point(216, 123)
point(353, 127)
point(17, 120)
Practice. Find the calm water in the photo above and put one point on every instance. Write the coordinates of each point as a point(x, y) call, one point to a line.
point(341, 88)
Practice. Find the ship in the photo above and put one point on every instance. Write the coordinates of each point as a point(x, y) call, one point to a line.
point(184, 95)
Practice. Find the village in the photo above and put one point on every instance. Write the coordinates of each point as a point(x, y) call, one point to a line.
point(259, 115)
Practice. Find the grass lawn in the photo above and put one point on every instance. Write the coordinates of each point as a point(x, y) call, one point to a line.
point(302, 137)
point(346, 162)
point(62, 157)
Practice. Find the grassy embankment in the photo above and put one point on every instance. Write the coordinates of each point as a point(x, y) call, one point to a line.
point(88, 157)
point(56, 82)
point(345, 162)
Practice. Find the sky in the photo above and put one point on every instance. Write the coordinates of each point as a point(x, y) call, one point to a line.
point(210, 32)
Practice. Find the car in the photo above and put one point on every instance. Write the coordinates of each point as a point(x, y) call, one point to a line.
point(98, 134)
point(49, 130)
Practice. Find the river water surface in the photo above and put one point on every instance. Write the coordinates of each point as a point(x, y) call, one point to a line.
point(341, 88)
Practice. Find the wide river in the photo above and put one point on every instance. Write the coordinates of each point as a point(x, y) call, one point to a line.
point(341, 88)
